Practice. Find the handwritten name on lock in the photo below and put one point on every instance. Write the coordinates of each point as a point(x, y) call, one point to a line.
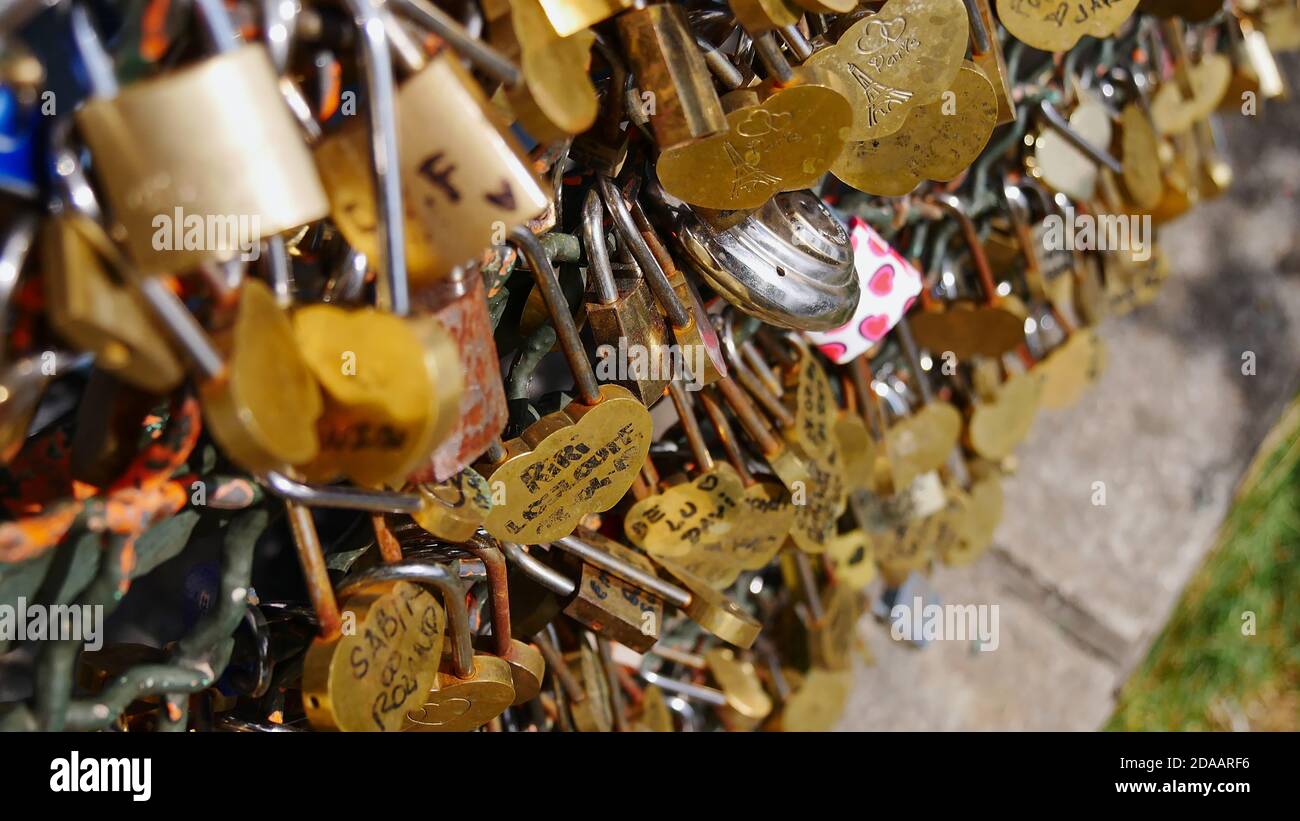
point(890, 284)
point(673, 523)
point(391, 659)
point(567, 480)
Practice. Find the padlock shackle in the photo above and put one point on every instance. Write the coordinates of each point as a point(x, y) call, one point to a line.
point(952, 206)
point(769, 54)
point(546, 576)
point(548, 284)
point(808, 581)
point(279, 29)
point(484, 57)
point(690, 426)
point(17, 245)
point(95, 59)
point(769, 401)
point(635, 576)
point(727, 435)
point(81, 208)
point(556, 664)
point(1057, 122)
point(699, 692)
point(637, 242)
point(437, 576)
point(593, 240)
point(377, 70)
point(311, 558)
point(222, 35)
point(754, 360)
point(487, 549)
point(749, 417)
point(340, 497)
point(981, 40)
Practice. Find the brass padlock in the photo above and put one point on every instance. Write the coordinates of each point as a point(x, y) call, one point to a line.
point(597, 599)
point(615, 607)
point(459, 306)
point(625, 325)
point(465, 184)
point(662, 53)
point(696, 339)
point(708, 608)
point(576, 461)
point(470, 689)
point(366, 678)
point(556, 98)
point(594, 712)
point(968, 330)
point(95, 313)
point(181, 151)
point(527, 667)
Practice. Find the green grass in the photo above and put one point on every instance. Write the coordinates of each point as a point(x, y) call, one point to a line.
point(1202, 673)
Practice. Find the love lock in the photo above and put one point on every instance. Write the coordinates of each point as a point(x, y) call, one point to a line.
point(789, 264)
point(576, 461)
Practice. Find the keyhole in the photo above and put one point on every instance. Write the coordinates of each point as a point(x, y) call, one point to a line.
point(780, 271)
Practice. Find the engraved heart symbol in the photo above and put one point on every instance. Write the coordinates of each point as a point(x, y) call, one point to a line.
point(906, 55)
point(761, 122)
point(785, 144)
point(881, 33)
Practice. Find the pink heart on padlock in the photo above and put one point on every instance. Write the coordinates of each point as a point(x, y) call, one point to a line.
point(875, 327)
point(890, 284)
point(882, 281)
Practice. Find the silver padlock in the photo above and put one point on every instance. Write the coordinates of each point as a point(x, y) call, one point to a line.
point(790, 263)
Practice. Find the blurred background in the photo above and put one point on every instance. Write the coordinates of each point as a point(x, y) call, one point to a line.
point(1137, 614)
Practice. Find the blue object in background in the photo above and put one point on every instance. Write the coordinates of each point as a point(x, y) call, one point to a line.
point(18, 145)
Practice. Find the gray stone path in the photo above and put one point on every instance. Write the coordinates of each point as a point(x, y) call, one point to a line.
point(1082, 589)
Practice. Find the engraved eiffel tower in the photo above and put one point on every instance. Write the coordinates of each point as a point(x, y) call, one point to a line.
point(881, 98)
point(746, 175)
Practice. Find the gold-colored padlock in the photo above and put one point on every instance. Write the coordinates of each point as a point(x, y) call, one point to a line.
point(193, 172)
point(367, 678)
point(392, 389)
point(625, 325)
point(576, 461)
point(95, 313)
point(465, 184)
point(662, 53)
